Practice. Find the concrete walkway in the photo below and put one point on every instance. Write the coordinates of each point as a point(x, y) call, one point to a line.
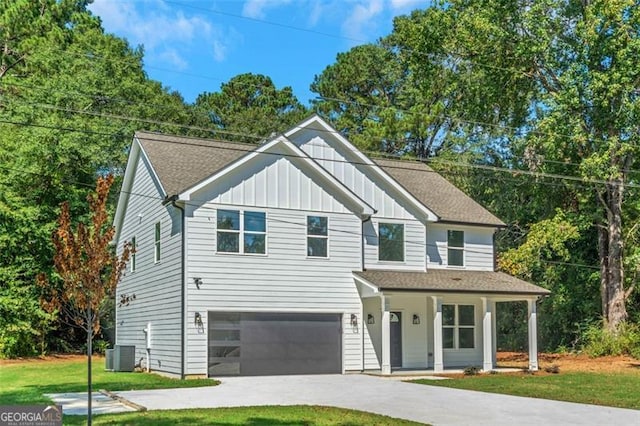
point(427, 404)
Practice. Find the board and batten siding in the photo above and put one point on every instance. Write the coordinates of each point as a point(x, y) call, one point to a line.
point(478, 246)
point(350, 173)
point(156, 285)
point(284, 279)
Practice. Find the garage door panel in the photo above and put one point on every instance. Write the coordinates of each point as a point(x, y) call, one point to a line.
point(274, 343)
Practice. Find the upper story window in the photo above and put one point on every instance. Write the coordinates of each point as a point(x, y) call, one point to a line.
point(317, 236)
point(391, 242)
point(157, 243)
point(455, 248)
point(241, 232)
point(458, 326)
point(134, 248)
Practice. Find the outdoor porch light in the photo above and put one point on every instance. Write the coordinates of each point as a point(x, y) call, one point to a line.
point(198, 282)
point(354, 320)
point(370, 319)
point(416, 319)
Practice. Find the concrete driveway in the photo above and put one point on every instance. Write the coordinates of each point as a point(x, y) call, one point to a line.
point(427, 404)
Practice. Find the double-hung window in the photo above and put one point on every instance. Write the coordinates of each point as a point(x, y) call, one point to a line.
point(156, 249)
point(458, 326)
point(317, 236)
point(455, 248)
point(391, 242)
point(241, 232)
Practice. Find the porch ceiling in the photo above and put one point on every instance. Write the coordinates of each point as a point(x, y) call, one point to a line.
point(447, 280)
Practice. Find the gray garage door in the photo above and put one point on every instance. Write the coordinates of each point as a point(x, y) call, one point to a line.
point(252, 344)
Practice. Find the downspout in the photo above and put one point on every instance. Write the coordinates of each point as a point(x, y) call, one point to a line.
point(173, 200)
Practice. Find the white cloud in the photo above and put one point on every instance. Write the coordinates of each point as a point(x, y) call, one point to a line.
point(162, 30)
point(257, 8)
point(362, 16)
point(174, 58)
point(402, 5)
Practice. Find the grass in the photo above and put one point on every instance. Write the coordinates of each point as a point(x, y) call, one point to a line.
point(609, 389)
point(269, 415)
point(25, 383)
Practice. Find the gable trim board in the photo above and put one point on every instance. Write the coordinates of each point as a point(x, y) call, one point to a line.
point(294, 154)
point(317, 122)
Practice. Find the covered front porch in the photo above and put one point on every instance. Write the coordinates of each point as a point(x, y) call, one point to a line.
point(438, 320)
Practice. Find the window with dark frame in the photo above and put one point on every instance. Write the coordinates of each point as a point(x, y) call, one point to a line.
point(317, 236)
point(157, 243)
point(458, 326)
point(134, 249)
point(234, 227)
point(455, 248)
point(391, 242)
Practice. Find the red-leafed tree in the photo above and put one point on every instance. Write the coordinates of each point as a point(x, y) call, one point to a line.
point(87, 267)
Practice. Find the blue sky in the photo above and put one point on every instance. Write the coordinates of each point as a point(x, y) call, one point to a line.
point(194, 46)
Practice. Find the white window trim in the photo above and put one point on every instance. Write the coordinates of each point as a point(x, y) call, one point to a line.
point(456, 327)
point(241, 232)
point(326, 237)
point(404, 242)
point(462, 249)
point(157, 243)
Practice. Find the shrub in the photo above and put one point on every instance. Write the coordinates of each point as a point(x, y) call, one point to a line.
point(472, 370)
point(600, 342)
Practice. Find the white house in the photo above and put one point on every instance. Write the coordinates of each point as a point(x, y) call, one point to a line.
point(303, 255)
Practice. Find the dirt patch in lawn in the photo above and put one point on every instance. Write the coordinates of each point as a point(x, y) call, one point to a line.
point(571, 362)
point(48, 359)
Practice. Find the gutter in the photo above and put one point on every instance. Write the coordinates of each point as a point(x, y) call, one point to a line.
point(172, 200)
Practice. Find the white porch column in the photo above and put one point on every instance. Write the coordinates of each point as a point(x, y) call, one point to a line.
point(494, 329)
point(487, 334)
point(533, 335)
point(386, 337)
point(438, 364)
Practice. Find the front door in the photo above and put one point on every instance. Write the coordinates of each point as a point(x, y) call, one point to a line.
point(396, 338)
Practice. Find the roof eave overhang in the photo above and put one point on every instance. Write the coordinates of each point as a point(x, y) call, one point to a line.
point(500, 225)
point(465, 291)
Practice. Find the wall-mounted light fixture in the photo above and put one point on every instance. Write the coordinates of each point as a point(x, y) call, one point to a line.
point(197, 320)
point(370, 319)
point(198, 282)
point(354, 320)
point(416, 319)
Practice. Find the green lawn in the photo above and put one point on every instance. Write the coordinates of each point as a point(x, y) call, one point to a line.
point(611, 389)
point(24, 383)
point(280, 415)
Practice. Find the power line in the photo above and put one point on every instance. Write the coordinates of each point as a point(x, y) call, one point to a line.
point(476, 166)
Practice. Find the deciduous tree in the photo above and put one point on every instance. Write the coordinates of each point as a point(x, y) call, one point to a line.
point(87, 266)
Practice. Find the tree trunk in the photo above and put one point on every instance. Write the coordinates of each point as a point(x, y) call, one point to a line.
point(89, 351)
point(610, 242)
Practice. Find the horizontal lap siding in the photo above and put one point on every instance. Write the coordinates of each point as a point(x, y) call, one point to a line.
point(478, 246)
point(284, 280)
point(155, 285)
point(414, 247)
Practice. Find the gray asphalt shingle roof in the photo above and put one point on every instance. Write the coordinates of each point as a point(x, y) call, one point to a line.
point(449, 280)
point(181, 162)
point(437, 193)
